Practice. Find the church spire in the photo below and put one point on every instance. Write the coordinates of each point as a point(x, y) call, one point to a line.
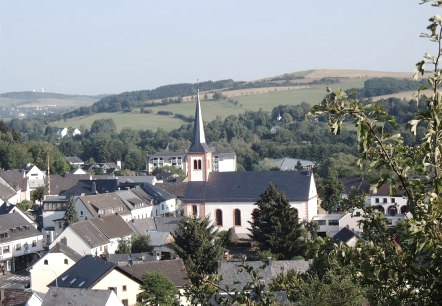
point(199, 138)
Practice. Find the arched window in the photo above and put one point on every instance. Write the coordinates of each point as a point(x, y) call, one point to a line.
point(195, 164)
point(219, 217)
point(380, 209)
point(392, 210)
point(46, 262)
point(199, 164)
point(65, 261)
point(194, 210)
point(237, 217)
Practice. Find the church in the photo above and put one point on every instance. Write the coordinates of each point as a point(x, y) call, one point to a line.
point(227, 197)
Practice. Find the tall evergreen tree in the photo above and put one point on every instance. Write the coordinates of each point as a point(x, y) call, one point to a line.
point(196, 243)
point(70, 216)
point(275, 226)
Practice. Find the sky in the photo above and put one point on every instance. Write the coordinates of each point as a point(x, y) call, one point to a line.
point(111, 46)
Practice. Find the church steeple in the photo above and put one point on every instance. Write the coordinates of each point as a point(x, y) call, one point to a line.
point(199, 139)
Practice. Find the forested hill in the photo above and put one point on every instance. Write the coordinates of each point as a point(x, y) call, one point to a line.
point(174, 93)
point(127, 100)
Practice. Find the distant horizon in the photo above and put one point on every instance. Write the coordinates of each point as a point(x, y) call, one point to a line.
point(108, 47)
point(116, 93)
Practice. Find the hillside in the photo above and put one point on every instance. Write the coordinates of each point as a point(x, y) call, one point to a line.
point(167, 106)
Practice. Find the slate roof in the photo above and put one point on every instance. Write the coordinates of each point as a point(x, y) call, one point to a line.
point(61, 247)
point(113, 226)
point(141, 226)
point(15, 297)
point(355, 184)
point(105, 201)
point(75, 160)
point(177, 189)
point(89, 233)
point(6, 192)
point(61, 184)
point(21, 227)
point(76, 297)
point(14, 178)
point(158, 238)
point(158, 194)
point(236, 280)
point(288, 163)
point(166, 224)
point(123, 259)
point(93, 186)
point(172, 269)
point(136, 179)
point(248, 186)
point(132, 200)
point(85, 273)
point(344, 235)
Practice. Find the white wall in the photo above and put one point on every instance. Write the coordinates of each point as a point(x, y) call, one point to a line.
point(82, 212)
point(13, 252)
point(42, 275)
point(142, 213)
point(74, 241)
point(166, 207)
point(118, 280)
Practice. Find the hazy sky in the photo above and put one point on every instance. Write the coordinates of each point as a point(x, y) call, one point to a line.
point(110, 46)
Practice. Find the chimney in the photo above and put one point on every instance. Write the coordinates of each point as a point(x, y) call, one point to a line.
point(94, 187)
point(64, 240)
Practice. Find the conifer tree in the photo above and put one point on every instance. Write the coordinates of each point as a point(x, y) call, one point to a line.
point(275, 226)
point(196, 243)
point(70, 216)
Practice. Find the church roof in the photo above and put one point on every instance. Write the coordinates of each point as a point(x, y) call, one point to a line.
point(248, 186)
point(199, 144)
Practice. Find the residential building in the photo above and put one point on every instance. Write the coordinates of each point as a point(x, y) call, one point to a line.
point(331, 224)
point(91, 206)
point(20, 242)
point(290, 164)
point(49, 267)
point(346, 236)
point(78, 296)
point(13, 297)
point(18, 181)
point(97, 236)
point(97, 274)
point(75, 161)
point(8, 194)
point(173, 269)
point(54, 209)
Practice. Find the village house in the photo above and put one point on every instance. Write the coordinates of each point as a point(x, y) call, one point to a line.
point(94, 273)
point(97, 236)
point(17, 180)
point(51, 265)
point(20, 242)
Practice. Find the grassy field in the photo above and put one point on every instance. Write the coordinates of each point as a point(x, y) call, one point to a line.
point(69, 103)
point(211, 109)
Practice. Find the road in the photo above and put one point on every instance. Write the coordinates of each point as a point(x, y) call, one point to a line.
point(16, 280)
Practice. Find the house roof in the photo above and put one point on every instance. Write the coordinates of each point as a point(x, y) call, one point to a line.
point(355, 184)
point(158, 238)
point(15, 297)
point(172, 269)
point(113, 226)
point(14, 178)
point(123, 259)
point(94, 186)
point(76, 297)
point(288, 163)
point(75, 160)
point(95, 202)
point(248, 186)
point(6, 192)
point(90, 234)
point(132, 200)
point(162, 224)
point(166, 224)
point(236, 279)
point(85, 273)
point(17, 227)
point(177, 189)
point(136, 179)
point(61, 184)
point(61, 247)
point(158, 194)
point(344, 235)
